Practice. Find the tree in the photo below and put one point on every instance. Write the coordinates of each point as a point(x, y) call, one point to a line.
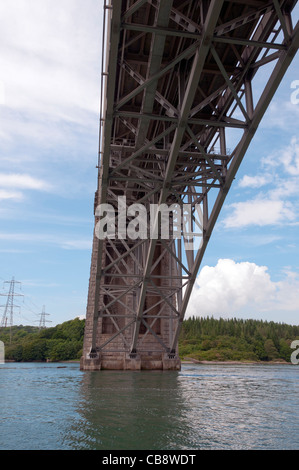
point(285, 350)
point(270, 350)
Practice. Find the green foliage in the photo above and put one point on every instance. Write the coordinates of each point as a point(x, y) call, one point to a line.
point(60, 343)
point(203, 339)
point(208, 339)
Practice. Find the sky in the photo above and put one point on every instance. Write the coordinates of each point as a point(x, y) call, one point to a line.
point(50, 66)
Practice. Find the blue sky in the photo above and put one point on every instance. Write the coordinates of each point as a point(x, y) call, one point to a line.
point(50, 56)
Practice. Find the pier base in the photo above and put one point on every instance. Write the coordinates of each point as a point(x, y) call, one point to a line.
point(90, 364)
point(129, 362)
point(171, 363)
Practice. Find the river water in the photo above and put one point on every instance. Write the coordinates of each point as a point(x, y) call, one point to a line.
point(204, 406)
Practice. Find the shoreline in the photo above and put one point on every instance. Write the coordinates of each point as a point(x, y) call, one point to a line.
point(195, 361)
point(188, 361)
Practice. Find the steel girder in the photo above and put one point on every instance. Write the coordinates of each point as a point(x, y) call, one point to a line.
point(180, 85)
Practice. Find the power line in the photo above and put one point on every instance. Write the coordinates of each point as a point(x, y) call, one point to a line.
point(23, 317)
point(8, 315)
point(27, 307)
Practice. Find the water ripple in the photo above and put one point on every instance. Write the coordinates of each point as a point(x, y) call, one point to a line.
point(205, 406)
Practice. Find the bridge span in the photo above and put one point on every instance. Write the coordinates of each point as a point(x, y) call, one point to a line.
point(185, 85)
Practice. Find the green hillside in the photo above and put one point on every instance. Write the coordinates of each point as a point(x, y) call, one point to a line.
point(61, 343)
point(208, 339)
point(202, 339)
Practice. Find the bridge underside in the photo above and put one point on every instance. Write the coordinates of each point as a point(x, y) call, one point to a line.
point(185, 85)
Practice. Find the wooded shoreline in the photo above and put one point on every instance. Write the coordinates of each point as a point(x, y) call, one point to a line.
point(202, 341)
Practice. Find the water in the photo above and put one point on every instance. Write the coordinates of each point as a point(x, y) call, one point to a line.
point(50, 407)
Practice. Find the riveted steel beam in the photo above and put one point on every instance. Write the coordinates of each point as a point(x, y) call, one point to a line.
point(199, 59)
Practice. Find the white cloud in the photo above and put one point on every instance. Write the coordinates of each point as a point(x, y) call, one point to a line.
point(286, 188)
point(277, 204)
point(253, 181)
point(50, 63)
point(282, 114)
point(2, 92)
point(232, 288)
point(81, 317)
point(286, 158)
point(62, 241)
point(22, 181)
point(50, 66)
point(259, 212)
point(290, 157)
point(77, 244)
point(14, 195)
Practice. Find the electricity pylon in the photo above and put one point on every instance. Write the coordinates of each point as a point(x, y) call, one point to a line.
point(43, 321)
point(9, 306)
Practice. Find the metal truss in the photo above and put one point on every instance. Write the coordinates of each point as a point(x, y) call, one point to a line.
point(185, 86)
